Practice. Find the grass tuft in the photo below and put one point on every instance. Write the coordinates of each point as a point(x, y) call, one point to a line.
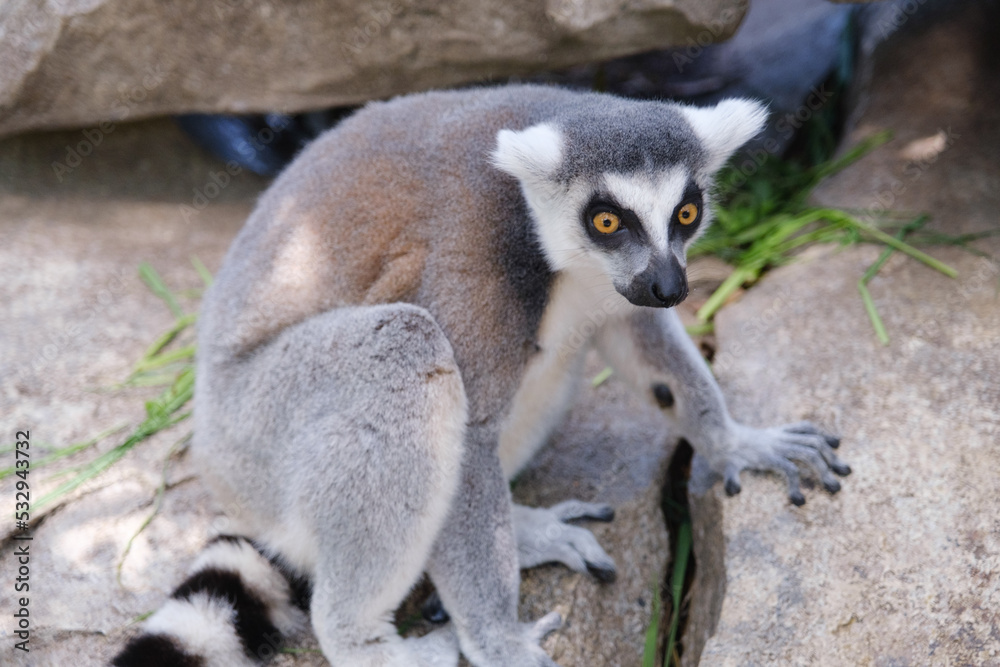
point(161, 490)
point(653, 631)
point(681, 555)
point(763, 222)
point(159, 366)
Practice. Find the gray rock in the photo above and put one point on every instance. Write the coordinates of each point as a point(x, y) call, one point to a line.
point(87, 62)
point(76, 317)
point(902, 567)
point(612, 449)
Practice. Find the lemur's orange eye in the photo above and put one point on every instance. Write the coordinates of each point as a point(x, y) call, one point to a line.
point(687, 214)
point(606, 222)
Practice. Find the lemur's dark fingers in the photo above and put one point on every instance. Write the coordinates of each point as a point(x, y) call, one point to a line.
point(543, 627)
point(815, 442)
point(821, 444)
point(841, 469)
point(808, 428)
point(602, 572)
point(596, 560)
point(732, 481)
point(576, 509)
point(816, 461)
point(791, 473)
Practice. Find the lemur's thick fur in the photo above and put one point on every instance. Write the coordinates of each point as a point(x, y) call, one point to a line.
point(398, 328)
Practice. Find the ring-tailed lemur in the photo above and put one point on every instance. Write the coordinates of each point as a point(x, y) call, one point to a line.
point(398, 328)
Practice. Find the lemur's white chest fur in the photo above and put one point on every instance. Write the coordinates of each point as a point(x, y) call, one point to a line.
point(581, 302)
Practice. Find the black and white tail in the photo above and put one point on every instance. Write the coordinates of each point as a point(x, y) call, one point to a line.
point(233, 611)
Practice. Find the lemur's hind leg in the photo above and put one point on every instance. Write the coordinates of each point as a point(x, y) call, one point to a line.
point(348, 429)
point(390, 449)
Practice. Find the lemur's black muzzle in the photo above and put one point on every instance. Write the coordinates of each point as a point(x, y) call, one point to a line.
point(662, 285)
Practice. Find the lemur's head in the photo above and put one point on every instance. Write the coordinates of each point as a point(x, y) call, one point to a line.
point(622, 186)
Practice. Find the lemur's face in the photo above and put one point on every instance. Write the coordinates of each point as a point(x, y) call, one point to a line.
point(624, 191)
point(637, 227)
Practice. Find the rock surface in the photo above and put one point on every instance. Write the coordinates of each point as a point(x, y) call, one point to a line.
point(903, 566)
point(66, 63)
point(613, 449)
point(77, 317)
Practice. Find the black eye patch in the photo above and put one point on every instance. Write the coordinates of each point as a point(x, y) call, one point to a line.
point(688, 213)
point(628, 229)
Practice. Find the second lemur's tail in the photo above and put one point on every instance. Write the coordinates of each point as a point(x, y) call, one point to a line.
point(233, 611)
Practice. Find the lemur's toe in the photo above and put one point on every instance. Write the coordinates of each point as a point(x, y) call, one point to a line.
point(603, 572)
point(732, 486)
point(571, 510)
point(831, 485)
point(605, 513)
point(543, 627)
point(796, 498)
point(841, 469)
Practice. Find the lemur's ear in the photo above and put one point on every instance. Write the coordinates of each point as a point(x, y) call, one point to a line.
point(530, 154)
point(726, 126)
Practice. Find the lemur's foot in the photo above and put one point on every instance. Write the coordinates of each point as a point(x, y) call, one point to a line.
point(777, 449)
point(543, 627)
point(532, 634)
point(543, 536)
point(436, 649)
point(525, 650)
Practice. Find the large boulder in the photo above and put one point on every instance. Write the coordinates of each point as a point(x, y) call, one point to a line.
point(66, 63)
point(902, 567)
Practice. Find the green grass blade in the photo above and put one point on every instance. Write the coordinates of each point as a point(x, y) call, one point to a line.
point(161, 490)
point(728, 287)
point(890, 240)
point(677, 585)
point(700, 329)
point(66, 451)
point(851, 156)
point(151, 379)
point(206, 276)
point(160, 416)
point(602, 377)
point(168, 336)
point(161, 360)
point(866, 295)
point(873, 315)
point(653, 631)
point(159, 288)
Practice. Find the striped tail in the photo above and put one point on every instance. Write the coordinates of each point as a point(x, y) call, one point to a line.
point(233, 611)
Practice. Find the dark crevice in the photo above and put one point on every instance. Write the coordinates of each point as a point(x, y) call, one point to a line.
point(704, 585)
point(676, 512)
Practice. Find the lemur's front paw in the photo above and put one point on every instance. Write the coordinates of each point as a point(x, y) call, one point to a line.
point(777, 449)
point(543, 536)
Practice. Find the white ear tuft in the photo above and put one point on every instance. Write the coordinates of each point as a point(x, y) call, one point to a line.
point(529, 154)
point(726, 126)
